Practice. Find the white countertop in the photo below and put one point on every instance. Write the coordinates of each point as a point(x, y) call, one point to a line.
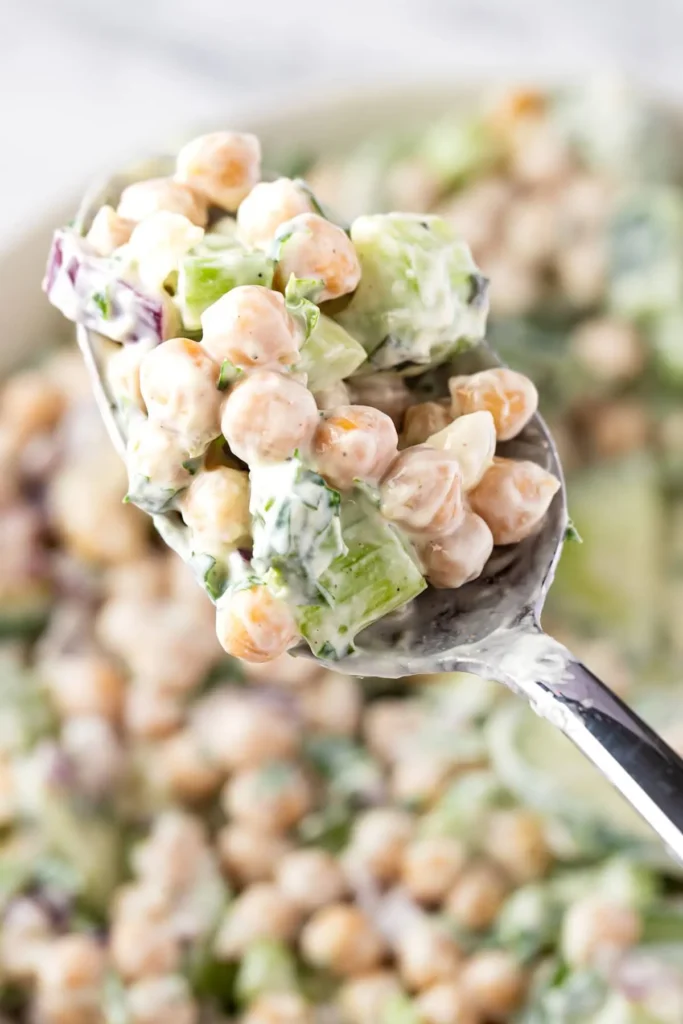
point(85, 80)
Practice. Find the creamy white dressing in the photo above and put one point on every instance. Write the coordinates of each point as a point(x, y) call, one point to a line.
point(296, 527)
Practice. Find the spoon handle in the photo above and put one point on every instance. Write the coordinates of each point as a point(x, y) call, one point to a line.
point(627, 751)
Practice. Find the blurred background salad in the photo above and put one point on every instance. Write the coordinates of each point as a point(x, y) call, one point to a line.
point(181, 843)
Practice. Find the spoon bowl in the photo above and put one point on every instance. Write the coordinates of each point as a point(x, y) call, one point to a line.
point(489, 627)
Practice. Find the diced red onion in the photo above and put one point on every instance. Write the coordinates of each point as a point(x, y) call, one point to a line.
point(91, 290)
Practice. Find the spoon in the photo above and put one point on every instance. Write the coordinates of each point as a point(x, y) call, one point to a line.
point(491, 626)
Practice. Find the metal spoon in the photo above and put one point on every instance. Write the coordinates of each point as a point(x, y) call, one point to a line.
point(489, 627)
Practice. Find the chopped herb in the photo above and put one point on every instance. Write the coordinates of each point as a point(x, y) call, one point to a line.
point(572, 534)
point(229, 373)
point(103, 303)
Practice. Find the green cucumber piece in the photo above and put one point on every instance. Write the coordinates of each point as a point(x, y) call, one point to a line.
point(611, 585)
point(376, 576)
point(330, 355)
point(208, 272)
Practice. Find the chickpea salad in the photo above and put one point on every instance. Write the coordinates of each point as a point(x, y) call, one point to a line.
point(320, 492)
point(190, 840)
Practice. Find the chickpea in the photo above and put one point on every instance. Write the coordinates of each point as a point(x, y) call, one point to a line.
point(108, 231)
point(159, 243)
point(379, 839)
point(354, 442)
point(268, 205)
point(279, 1008)
point(123, 375)
point(431, 867)
point(584, 206)
point(151, 713)
point(273, 796)
point(472, 440)
point(249, 854)
point(137, 630)
point(178, 382)
point(419, 778)
point(340, 938)
point(582, 272)
point(96, 753)
point(412, 186)
point(510, 397)
point(221, 166)
point(259, 912)
point(30, 404)
point(239, 731)
point(216, 508)
point(85, 684)
point(423, 420)
point(156, 453)
point(387, 392)
point(172, 853)
point(362, 1000)
point(540, 155)
point(454, 560)
point(493, 983)
point(251, 328)
point(513, 498)
point(477, 896)
point(422, 492)
point(311, 878)
point(267, 417)
point(516, 839)
point(166, 999)
point(332, 704)
point(329, 398)
point(25, 938)
point(75, 962)
point(144, 198)
point(255, 626)
point(610, 350)
point(390, 727)
point(445, 1004)
point(315, 248)
point(532, 230)
point(515, 289)
point(84, 503)
point(186, 771)
point(143, 944)
point(427, 956)
point(596, 929)
point(619, 427)
point(476, 212)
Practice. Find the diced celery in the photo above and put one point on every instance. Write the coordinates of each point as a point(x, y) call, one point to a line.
point(529, 921)
point(463, 808)
point(330, 355)
point(421, 297)
point(376, 576)
point(90, 842)
point(399, 1009)
point(646, 253)
point(457, 148)
point(611, 584)
point(211, 270)
point(267, 965)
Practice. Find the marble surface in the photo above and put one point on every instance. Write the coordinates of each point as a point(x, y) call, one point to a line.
point(85, 80)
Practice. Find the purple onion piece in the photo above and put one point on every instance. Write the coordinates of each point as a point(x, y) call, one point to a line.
point(91, 290)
